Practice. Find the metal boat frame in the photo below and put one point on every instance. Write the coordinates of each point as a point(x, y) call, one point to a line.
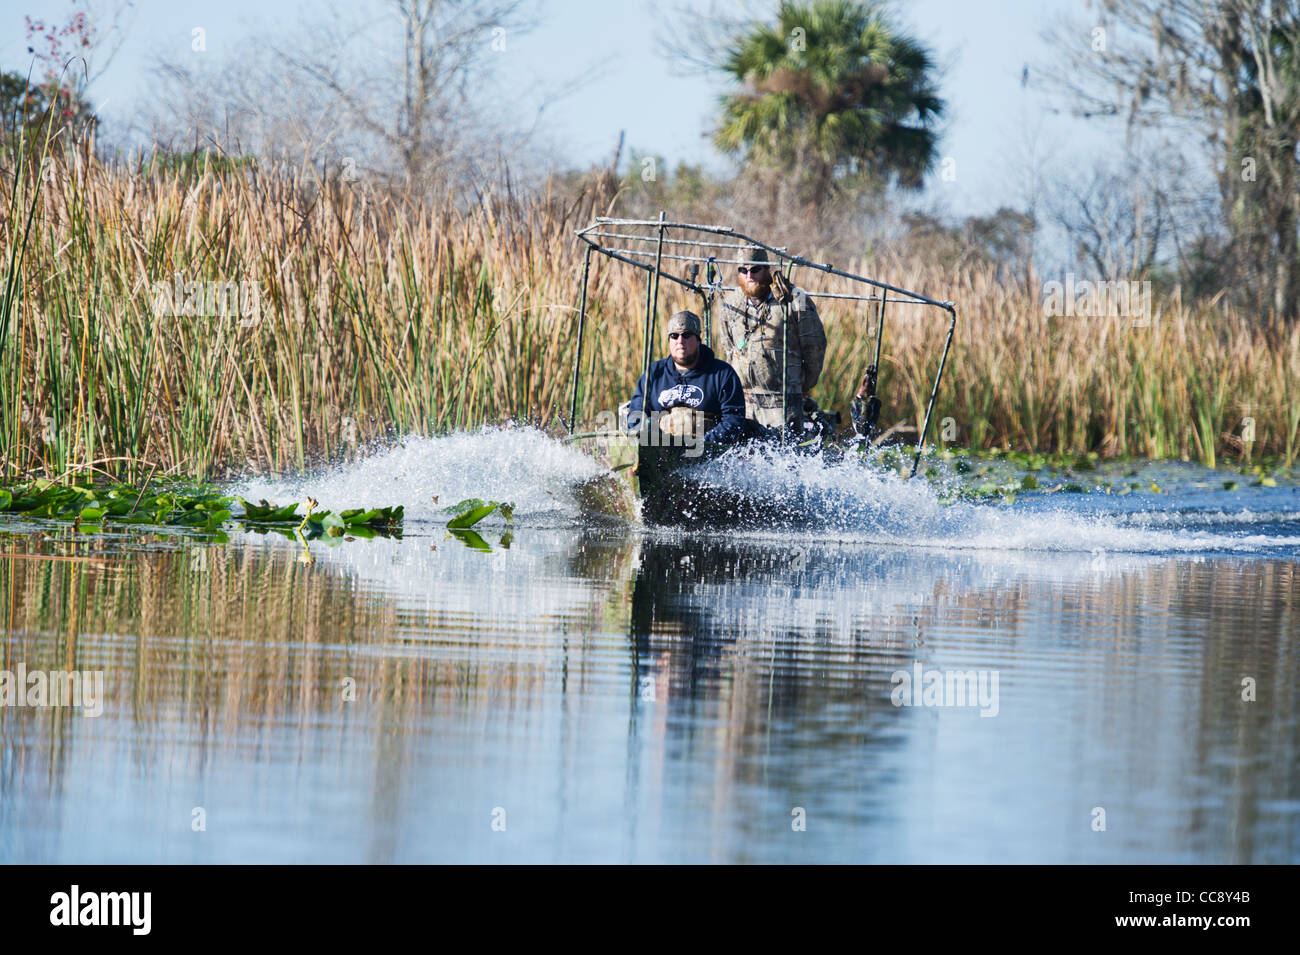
point(721, 245)
point(692, 248)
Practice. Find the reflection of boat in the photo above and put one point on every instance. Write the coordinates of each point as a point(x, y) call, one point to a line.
point(649, 475)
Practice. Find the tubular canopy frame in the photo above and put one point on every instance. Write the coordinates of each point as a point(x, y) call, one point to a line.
point(709, 248)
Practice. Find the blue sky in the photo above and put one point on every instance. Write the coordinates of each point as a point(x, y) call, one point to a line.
point(993, 122)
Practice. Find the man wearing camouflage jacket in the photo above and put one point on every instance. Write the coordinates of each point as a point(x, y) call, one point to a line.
point(755, 322)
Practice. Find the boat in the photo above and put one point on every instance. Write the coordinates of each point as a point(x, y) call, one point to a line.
point(652, 477)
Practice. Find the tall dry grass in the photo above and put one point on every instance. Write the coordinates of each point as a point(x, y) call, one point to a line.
point(381, 318)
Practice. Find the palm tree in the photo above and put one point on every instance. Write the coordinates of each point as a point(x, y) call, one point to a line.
point(832, 92)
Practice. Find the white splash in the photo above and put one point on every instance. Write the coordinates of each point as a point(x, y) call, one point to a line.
point(518, 465)
point(852, 503)
point(843, 502)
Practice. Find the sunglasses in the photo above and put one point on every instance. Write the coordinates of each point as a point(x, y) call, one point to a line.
point(676, 335)
point(751, 269)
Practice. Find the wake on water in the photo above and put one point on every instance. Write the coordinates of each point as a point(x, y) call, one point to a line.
point(844, 502)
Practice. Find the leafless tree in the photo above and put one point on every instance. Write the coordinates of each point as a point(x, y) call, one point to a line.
point(443, 45)
point(1228, 70)
point(1118, 215)
point(695, 36)
point(408, 94)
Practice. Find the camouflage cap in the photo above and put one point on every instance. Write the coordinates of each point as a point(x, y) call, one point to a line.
point(753, 255)
point(684, 322)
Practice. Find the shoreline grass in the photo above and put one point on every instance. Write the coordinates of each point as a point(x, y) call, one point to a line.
point(379, 318)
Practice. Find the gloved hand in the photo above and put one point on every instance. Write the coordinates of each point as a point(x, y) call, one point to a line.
point(782, 291)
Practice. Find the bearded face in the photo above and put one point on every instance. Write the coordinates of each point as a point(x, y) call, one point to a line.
point(757, 283)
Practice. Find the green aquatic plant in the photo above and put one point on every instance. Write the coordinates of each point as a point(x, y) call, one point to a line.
point(472, 510)
point(266, 513)
point(200, 508)
point(357, 522)
point(197, 507)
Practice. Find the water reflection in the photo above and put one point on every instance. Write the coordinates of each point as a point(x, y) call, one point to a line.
point(630, 697)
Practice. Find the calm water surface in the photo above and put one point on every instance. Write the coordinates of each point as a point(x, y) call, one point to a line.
point(591, 693)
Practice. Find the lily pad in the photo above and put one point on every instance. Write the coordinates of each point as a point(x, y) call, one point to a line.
point(474, 511)
point(266, 512)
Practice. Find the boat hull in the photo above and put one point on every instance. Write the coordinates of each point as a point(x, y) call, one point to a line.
point(654, 485)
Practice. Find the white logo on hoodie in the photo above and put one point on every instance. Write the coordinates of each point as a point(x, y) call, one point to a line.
point(691, 395)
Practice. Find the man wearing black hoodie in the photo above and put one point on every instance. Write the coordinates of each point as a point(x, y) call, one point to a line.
point(693, 380)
